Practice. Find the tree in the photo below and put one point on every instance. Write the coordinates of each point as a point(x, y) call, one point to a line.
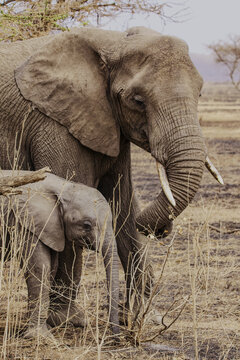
point(22, 19)
point(228, 53)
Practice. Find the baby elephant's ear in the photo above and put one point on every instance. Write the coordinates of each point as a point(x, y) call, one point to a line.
point(40, 214)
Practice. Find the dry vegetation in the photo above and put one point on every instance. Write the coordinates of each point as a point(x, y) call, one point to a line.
point(24, 19)
point(201, 267)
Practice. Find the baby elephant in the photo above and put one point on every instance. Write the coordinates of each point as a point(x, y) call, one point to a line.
point(52, 214)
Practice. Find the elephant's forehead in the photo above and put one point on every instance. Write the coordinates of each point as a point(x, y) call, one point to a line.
point(90, 212)
point(83, 193)
point(87, 198)
point(157, 46)
point(158, 54)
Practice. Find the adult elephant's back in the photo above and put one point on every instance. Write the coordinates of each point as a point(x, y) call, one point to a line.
point(15, 53)
point(15, 111)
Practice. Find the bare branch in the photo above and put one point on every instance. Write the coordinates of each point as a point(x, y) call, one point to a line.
point(6, 2)
point(228, 54)
point(219, 230)
point(166, 327)
point(8, 183)
point(23, 19)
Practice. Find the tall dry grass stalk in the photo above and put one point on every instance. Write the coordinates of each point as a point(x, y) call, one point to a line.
point(12, 283)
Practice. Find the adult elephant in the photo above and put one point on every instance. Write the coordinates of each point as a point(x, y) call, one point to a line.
point(77, 99)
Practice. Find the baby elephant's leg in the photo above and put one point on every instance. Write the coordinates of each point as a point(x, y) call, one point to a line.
point(37, 275)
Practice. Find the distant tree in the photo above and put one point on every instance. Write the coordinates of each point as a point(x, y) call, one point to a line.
point(228, 53)
point(22, 19)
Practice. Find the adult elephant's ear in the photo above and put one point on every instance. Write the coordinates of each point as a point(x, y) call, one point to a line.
point(66, 79)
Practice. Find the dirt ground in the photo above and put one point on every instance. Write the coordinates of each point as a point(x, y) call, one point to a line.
point(201, 271)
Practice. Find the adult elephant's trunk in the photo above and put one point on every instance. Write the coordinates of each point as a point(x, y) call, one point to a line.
point(111, 262)
point(181, 150)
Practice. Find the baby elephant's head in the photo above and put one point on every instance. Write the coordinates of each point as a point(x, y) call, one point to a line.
point(86, 215)
point(79, 228)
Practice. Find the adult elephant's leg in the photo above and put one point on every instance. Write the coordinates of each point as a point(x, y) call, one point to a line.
point(55, 147)
point(116, 186)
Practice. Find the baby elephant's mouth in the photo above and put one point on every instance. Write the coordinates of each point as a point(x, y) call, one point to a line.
point(83, 241)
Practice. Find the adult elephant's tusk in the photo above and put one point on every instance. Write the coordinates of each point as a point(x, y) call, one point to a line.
point(164, 183)
point(211, 168)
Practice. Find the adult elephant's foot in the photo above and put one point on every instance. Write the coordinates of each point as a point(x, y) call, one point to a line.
point(62, 314)
point(36, 331)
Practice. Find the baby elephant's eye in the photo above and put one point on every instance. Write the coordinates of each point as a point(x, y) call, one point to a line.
point(87, 225)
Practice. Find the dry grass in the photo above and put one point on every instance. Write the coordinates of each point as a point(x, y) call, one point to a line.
point(201, 267)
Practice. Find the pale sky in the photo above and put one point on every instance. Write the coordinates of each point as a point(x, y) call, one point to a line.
point(207, 21)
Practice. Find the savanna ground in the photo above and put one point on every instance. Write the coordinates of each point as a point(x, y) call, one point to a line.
point(200, 278)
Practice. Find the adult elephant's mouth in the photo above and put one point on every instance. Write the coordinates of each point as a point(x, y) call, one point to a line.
point(165, 184)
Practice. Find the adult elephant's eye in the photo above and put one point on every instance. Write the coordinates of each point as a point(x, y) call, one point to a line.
point(87, 225)
point(138, 100)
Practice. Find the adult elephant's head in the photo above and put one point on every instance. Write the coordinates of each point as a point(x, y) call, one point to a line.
point(101, 84)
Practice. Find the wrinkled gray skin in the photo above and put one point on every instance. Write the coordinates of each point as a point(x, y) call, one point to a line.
point(60, 213)
point(81, 98)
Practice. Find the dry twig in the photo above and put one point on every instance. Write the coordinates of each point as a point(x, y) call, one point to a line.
point(8, 183)
point(223, 231)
